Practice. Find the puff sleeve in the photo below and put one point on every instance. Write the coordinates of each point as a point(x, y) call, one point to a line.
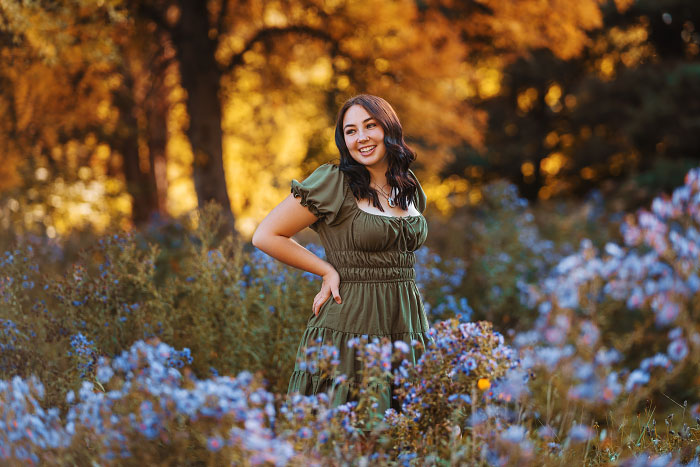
point(420, 199)
point(322, 192)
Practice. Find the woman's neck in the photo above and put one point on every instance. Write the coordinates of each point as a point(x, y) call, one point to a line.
point(377, 175)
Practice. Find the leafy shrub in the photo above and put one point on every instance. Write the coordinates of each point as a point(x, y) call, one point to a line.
point(497, 245)
point(233, 310)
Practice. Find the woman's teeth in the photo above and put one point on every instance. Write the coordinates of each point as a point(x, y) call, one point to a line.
point(367, 150)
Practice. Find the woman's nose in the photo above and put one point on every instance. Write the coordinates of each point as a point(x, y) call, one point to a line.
point(362, 137)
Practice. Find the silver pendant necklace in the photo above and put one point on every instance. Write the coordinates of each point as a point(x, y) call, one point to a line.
point(390, 200)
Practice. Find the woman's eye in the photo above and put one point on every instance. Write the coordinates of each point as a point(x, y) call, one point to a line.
point(349, 132)
point(371, 125)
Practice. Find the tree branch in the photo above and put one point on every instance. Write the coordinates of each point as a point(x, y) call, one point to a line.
point(271, 32)
point(222, 16)
point(157, 72)
point(148, 12)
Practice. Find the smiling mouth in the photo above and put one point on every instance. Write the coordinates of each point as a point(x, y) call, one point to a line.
point(367, 150)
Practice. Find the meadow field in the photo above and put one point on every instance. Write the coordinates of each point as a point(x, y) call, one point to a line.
point(173, 345)
point(142, 142)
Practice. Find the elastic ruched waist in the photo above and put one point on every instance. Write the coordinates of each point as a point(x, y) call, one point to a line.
point(371, 266)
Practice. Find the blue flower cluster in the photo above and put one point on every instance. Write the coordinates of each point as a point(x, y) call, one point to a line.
point(434, 273)
point(26, 428)
point(655, 271)
point(84, 351)
point(9, 334)
point(145, 373)
point(458, 356)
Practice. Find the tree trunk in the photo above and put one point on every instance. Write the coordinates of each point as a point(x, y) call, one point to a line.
point(140, 182)
point(157, 115)
point(201, 78)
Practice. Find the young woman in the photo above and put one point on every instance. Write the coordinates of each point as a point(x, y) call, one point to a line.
point(368, 213)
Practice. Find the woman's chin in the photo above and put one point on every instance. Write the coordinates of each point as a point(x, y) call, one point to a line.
point(371, 161)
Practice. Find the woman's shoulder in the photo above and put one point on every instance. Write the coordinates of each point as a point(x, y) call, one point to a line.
point(328, 173)
point(326, 181)
point(322, 192)
point(328, 169)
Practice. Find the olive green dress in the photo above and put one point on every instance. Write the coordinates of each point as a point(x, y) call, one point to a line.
point(374, 256)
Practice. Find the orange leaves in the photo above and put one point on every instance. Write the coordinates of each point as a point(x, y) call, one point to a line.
point(622, 5)
point(559, 25)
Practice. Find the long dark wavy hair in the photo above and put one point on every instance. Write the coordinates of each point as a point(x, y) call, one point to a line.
point(399, 155)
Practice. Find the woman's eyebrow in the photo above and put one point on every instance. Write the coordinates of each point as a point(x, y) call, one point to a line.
point(363, 121)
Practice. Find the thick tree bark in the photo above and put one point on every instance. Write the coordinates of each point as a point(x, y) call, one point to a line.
point(157, 114)
point(201, 78)
point(140, 180)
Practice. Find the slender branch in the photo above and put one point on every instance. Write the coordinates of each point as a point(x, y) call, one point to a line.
point(222, 17)
point(158, 65)
point(271, 32)
point(154, 15)
point(8, 87)
point(157, 76)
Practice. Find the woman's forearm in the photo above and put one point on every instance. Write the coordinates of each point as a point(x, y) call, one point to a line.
point(288, 251)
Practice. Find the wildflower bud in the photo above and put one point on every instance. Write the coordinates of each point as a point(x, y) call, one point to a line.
point(483, 384)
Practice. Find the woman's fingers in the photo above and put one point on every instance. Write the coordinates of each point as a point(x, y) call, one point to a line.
point(322, 296)
point(320, 299)
point(336, 293)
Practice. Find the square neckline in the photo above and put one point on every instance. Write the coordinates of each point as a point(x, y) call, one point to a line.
point(357, 206)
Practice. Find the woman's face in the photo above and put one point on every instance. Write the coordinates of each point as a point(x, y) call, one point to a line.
point(364, 137)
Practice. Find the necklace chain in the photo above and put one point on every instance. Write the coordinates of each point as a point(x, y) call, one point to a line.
point(390, 200)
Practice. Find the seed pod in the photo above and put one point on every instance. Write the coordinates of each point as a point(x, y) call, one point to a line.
point(685, 432)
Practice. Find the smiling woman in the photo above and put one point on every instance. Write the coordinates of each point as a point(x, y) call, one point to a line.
point(368, 213)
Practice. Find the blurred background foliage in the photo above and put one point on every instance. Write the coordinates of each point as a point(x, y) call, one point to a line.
point(119, 110)
point(540, 126)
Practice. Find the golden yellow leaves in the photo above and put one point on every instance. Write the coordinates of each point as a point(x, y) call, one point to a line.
point(452, 192)
point(621, 47)
point(622, 5)
point(552, 97)
point(556, 24)
point(316, 72)
point(488, 81)
point(527, 99)
point(587, 173)
point(528, 171)
point(381, 64)
point(553, 163)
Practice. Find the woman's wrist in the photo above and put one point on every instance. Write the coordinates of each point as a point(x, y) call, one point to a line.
point(327, 269)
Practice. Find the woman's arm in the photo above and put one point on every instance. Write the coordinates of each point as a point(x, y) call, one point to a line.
point(273, 236)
